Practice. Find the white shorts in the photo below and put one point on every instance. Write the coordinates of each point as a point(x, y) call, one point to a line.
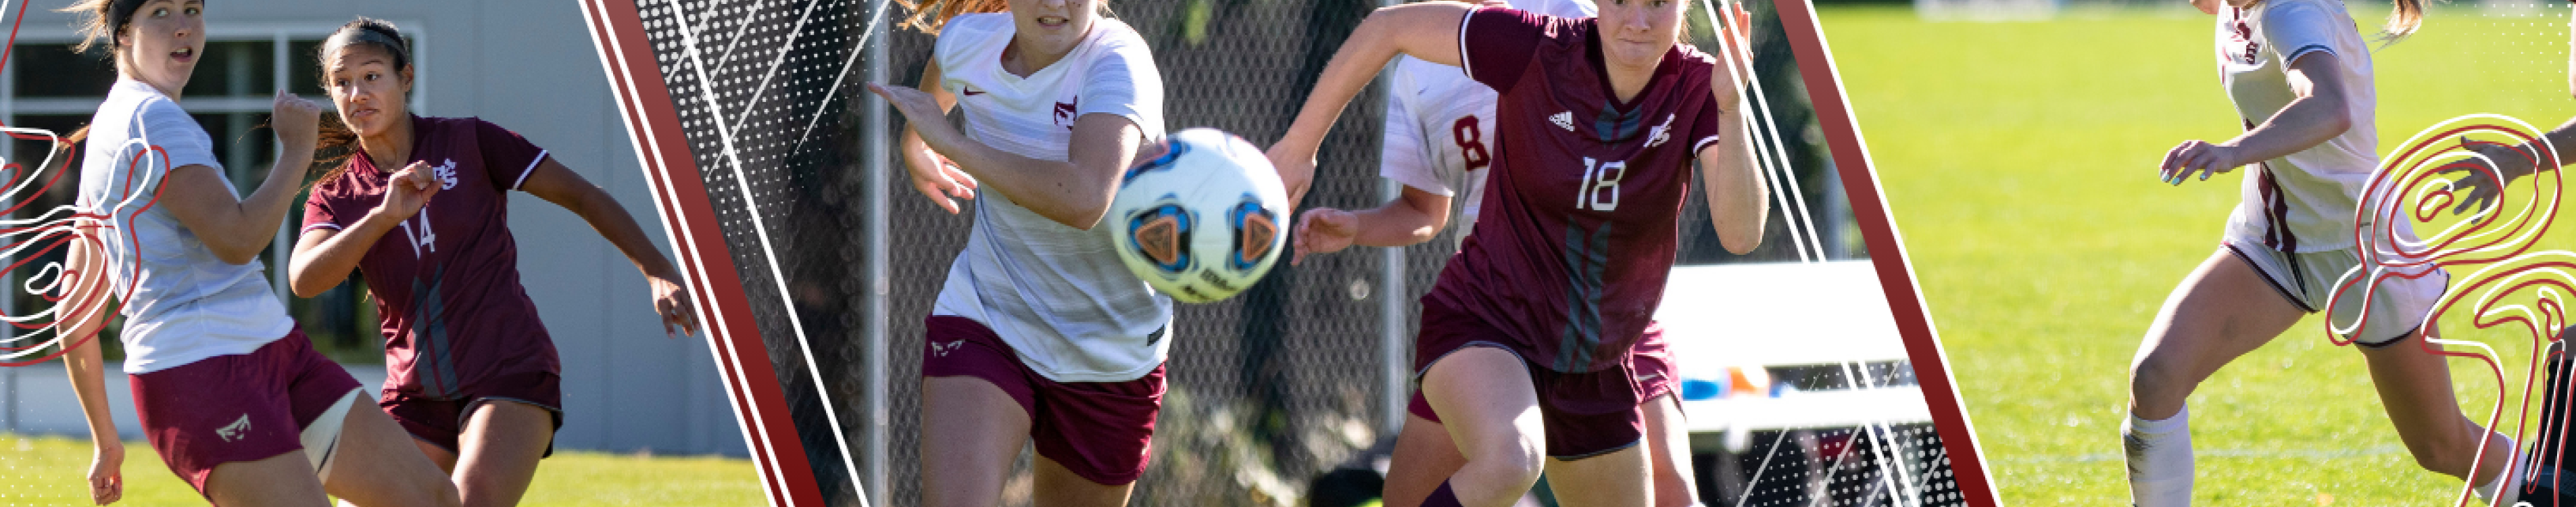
point(2395, 309)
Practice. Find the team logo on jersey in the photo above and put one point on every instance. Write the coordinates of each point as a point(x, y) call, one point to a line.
point(1064, 113)
point(236, 430)
point(1564, 120)
point(942, 349)
point(446, 173)
point(1660, 133)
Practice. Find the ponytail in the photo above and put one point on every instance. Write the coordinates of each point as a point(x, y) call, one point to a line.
point(2403, 21)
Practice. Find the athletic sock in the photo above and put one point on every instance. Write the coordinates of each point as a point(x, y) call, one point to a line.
point(2508, 484)
point(2159, 460)
point(1442, 497)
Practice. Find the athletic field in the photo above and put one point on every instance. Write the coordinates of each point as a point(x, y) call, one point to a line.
point(51, 471)
point(2019, 161)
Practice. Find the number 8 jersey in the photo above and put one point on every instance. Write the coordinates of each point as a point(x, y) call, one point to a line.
point(1577, 229)
point(446, 282)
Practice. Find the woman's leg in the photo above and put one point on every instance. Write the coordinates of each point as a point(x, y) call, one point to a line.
point(1618, 479)
point(1485, 398)
point(1059, 486)
point(283, 480)
point(2415, 385)
point(2221, 311)
point(971, 431)
point(1424, 457)
point(1668, 444)
point(377, 464)
point(499, 450)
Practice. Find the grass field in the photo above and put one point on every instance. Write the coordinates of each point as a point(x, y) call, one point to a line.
point(2018, 159)
point(50, 471)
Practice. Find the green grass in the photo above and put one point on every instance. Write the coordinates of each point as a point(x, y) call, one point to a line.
point(2018, 159)
point(50, 471)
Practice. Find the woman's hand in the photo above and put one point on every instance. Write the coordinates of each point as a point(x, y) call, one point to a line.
point(106, 480)
point(1324, 230)
point(672, 304)
point(297, 121)
point(932, 174)
point(2476, 187)
point(2196, 155)
point(407, 191)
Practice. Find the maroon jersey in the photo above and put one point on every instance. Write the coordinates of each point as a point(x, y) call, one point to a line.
point(446, 282)
point(1581, 210)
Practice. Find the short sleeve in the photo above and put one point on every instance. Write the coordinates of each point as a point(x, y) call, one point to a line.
point(1123, 81)
point(507, 158)
point(177, 135)
point(1406, 156)
point(317, 209)
point(1703, 129)
point(2295, 28)
point(1495, 45)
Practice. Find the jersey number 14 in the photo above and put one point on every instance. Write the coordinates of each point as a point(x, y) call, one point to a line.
point(420, 237)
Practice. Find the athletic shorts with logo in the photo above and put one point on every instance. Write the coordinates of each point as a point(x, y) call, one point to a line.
point(1586, 414)
point(1102, 431)
point(235, 408)
point(2393, 310)
point(1652, 361)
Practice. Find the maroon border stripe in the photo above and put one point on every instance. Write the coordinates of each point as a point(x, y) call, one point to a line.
point(679, 189)
point(1842, 136)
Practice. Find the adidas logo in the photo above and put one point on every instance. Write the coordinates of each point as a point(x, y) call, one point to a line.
point(1563, 120)
point(236, 430)
point(1656, 136)
point(942, 349)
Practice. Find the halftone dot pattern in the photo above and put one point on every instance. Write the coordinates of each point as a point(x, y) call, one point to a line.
point(2527, 48)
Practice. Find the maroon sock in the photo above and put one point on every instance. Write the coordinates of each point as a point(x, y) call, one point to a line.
point(1442, 497)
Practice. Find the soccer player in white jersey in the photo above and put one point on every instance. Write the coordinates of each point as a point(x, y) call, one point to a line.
point(1438, 143)
point(2299, 75)
point(229, 390)
point(1040, 334)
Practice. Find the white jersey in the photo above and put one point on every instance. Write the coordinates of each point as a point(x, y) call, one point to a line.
point(1440, 124)
point(2302, 202)
point(181, 303)
point(1057, 294)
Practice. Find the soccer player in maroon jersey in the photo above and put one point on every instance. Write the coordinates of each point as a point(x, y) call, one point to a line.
point(1525, 334)
point(471, 371)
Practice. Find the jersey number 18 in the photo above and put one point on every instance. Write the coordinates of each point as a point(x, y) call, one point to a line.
point(1600, 185)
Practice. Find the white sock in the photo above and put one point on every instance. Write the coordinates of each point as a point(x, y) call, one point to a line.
point(2507, 484)
point(2159, 460)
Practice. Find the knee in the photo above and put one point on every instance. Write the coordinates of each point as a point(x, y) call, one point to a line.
point(1517, 462)
point(2157, 376)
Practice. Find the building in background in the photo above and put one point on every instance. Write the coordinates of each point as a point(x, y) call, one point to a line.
point(528, 66)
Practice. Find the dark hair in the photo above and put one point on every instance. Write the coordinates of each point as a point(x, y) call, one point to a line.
point(336, 141)
point(98, 19)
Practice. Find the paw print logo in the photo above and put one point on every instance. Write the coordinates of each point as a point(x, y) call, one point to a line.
point(942, 349)
point(446, 174)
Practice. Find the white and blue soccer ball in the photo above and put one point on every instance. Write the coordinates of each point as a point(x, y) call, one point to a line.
point(1204, 220)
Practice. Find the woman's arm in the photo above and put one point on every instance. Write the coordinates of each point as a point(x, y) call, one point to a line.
point(1426, 30)
point(1738, 202)
point(323, 257)
point(934, 176)
point(2318, 115)
point(237, 230)
point(557, 184)
point(1413, 217)
point(84, 308)
point(1074, 193)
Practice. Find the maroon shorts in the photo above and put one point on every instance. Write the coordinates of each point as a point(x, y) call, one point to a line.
point(1102, 431)
point(1586, 414)
point(244, 407)
point(439, 421)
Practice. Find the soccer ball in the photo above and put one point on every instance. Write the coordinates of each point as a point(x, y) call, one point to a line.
point(1202, 221)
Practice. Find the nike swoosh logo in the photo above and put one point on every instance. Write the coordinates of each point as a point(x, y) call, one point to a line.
point(970, 92)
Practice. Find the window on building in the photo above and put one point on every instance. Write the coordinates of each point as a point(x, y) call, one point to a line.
point(48, 86)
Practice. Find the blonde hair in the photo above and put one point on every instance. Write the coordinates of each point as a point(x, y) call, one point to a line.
point(929, 16)
point(2405, 20)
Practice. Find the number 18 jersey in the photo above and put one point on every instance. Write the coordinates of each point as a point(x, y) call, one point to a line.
point(1580, 218)
point(1440, 124)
